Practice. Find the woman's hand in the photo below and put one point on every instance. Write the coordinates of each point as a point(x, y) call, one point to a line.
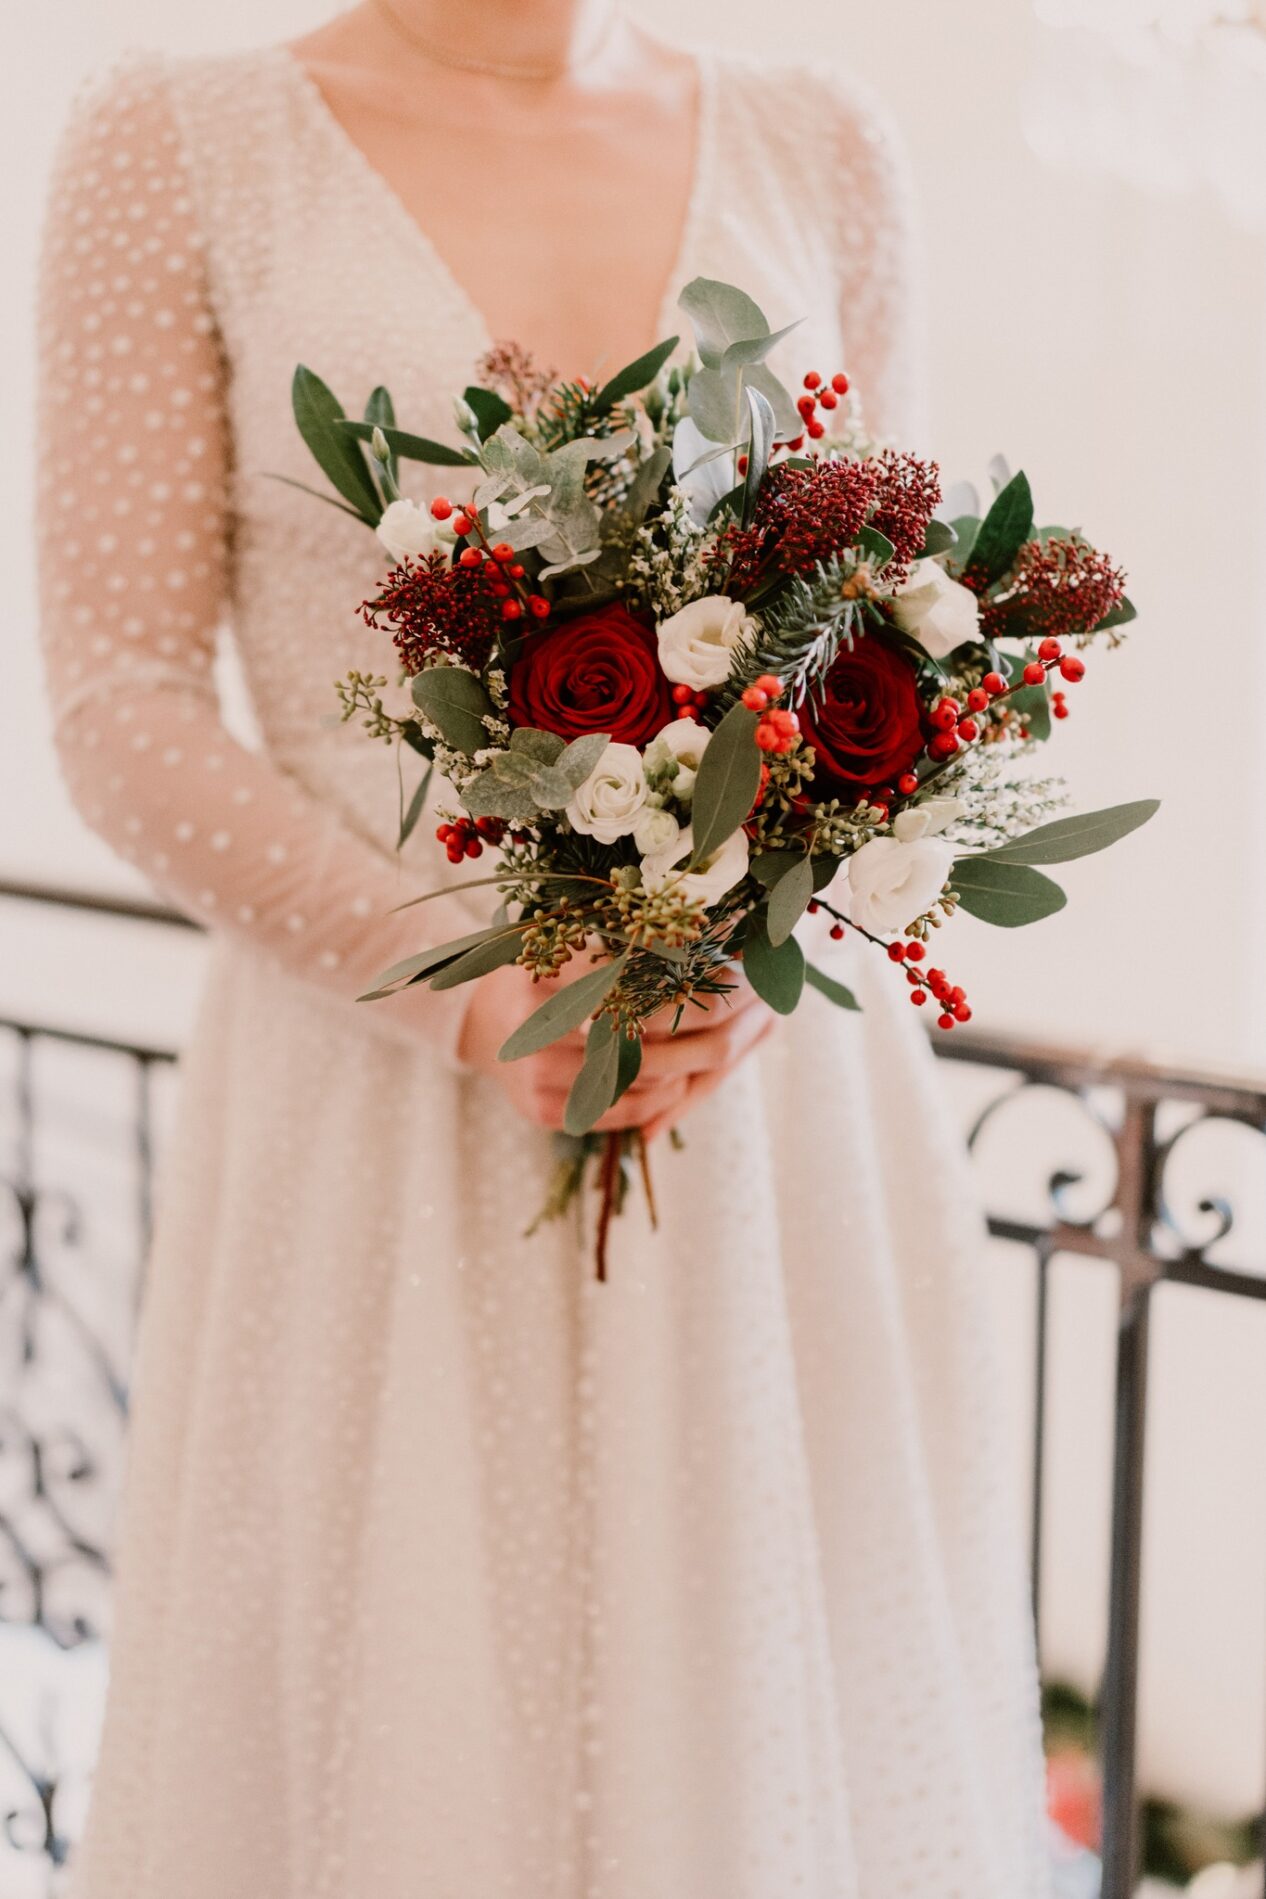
point(678, 1071)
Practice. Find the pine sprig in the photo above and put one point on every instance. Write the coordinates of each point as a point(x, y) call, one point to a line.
point(798, 636)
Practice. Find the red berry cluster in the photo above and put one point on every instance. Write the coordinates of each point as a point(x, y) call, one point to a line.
point(955, 725)
point(504, 570)
point(932, 982)
point(818, 395)
point(464, 837)
point(777, 728)
point(688, 701)
point(837, 928)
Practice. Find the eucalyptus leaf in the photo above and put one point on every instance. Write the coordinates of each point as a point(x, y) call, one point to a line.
point(578, 759)
point(417, 804)
point(630, 1048)
point(593, 1090)
point(721, 314)
point(634, 376)
point(413, 968)
point(412, 448)
point(456, 704)
point(319, 415)
point(499, 950)
point(487, 796)
point(754, 349)
point(727, 783)
point(1121, 615)
point(1003, 532)
point(939, 539)
point(788, 900)
point(545, 747)
point(568, 1008)
point(1079, 836)
point(776, 971)
point(488, 408)
point(573, 561)
point(550, 787)
point(759, 448)
point(876, 546)
point(1008, 895)
point(645, 485)
point(835, 992)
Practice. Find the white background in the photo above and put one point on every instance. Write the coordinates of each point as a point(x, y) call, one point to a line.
point(1113, 344)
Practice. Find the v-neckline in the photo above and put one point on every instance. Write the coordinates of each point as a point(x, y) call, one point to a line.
point(326, 120)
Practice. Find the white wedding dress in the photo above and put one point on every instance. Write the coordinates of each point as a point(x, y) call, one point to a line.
point(447, 1573)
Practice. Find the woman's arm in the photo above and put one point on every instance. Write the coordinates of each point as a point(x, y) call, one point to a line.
point(133, 526)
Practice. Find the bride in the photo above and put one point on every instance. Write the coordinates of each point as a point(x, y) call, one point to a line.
point(446, 1573)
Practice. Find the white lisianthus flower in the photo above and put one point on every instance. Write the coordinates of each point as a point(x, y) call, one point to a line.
point(926, 819)
point(940, 613)
point(655, 830)
point(410, 531)
point(721, 872)
point(607, 804)
point(696, 646)
point(684, 740)
point(891, 883)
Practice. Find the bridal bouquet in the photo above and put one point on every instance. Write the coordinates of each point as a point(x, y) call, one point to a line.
point(695, 657)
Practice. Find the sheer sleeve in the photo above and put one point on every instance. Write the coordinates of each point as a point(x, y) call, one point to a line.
point(134, 538)
point(882, 311)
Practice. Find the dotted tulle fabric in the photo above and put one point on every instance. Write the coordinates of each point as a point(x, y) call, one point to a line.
point(447, 1573)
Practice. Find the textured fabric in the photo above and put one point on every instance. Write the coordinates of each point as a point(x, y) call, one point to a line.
point(445, 1571)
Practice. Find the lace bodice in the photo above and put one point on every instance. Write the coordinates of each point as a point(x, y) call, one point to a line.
point(210, 225)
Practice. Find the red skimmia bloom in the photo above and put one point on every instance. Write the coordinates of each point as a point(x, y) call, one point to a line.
point(431, 606)
point(805, 515)
point(1059, 588)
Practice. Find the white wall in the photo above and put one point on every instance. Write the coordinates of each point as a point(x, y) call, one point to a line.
point(1113, 346)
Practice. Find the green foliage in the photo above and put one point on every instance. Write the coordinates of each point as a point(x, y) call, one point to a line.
point(939, 539)
point(1031, 703)
point(538, 773)
point(319, 415)
point(409, 816)
point(480, 960)
point(760, 443)
point(412, 448)
point(380, 413)
point(456, 703)
point(416, 968)
point(1002, 533)
point(733, 338)
point(567, 1009)
point(488, 408)
point(789, 899)
point(776, 971)
point(1080, 836)
point(799, 633)
point(835, 992)
point(729, 778)
point(1005, 894)
point(594, 1089)
point(634, 376)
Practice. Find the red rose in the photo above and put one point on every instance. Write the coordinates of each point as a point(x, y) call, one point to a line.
point(597, 672)
point(865, 722)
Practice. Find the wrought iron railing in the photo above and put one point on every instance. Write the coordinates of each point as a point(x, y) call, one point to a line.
point(60, 1425)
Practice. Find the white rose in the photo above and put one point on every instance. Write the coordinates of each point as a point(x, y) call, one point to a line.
point(891, 883)
point(696, 646)
point(721, 872)
point(686, 741)
point(655, 830)
point(607, 804)
point(926, 819)
point(408, 530)
point(940, 613)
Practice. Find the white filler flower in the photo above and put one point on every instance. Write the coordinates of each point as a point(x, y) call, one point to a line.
point(940, 613)
point(696, 646)
point(686, 741)
point(926, 819)
point(721, 872)
point(891, 883)
point(607, 804)
point(408, 530)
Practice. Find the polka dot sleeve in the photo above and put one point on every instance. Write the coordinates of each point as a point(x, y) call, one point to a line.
point(135, 540)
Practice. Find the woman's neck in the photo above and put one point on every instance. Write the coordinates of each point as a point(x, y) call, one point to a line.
point(543, 38)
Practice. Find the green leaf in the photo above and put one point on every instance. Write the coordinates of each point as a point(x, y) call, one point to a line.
point(593, 1090)
point(754, 349)
point(488, 797)
point(788, 900)
point(318, 414)
point(480, 961)
point(545, 747)
point(413, 968)
point(581, 757)
point(456, 704)
point(1080, 836)
point(1005, 894)
point(835, 992)
point(569, 1007)
point(630, 1047)
point(721, 314)
point(875, 545)
point(775, 971)
point(1003, 532)
point(413, 448)
point(290, 482)
point(550, 787)
point(759, 447)
point(939, 538)
point(1121, 615)
point(634, 376)
point(966, 527)
point(729, 778)
point(489, 409)
point(644, 487)
point(417, 804)
point(768, 866)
